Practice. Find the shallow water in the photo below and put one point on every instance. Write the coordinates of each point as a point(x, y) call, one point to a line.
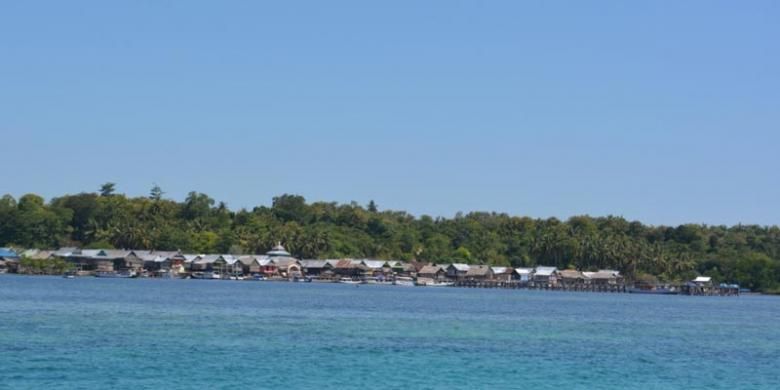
point(122, 333)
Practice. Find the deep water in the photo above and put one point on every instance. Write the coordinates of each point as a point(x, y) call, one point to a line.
point(93, 333)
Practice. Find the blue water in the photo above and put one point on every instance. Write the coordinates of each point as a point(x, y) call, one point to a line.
point(116, 333)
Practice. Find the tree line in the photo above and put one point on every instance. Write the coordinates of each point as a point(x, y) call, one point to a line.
point(747, 254)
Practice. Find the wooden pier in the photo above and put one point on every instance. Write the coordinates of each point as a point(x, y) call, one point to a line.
point(598, 288)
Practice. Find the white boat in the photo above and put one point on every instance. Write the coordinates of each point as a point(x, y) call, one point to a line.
point(442, 284)
point(206, 275)
point(350, 281)
point(403, 281)
point(114, 274)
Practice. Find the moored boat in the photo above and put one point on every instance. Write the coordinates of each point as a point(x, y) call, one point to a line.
point(403, 281)
point(206, 275)
point(441, 284)
point(350, 281)
point(114, 274)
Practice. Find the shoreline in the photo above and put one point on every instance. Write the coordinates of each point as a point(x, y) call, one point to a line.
point(464, 285)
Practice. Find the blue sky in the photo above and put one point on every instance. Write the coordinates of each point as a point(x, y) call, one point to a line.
point(665, 112)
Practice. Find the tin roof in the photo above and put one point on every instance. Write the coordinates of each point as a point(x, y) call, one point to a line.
point(501, 270)
point(460, 266)
point(373, 264)
point(545, 271)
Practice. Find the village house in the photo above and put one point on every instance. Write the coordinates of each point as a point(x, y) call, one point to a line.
point(153, 260)
point(315, 267)
point(433, 272)
point(572, 278)
point(348, 268)
point(522, 275)
point(479, 272)
point(457, 271)
point(545, 276)
point(189, 259)
point(204, 263)
point(104, 260)
point(401, 268)
point(502, 274)
point(701, 285)
point(604, 277)
point(375, 268)
point(227, 264)
point(250, 264)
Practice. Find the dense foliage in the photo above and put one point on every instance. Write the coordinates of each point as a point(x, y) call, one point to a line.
point(749, 255)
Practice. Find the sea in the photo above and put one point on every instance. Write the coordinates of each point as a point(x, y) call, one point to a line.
point(92, 333)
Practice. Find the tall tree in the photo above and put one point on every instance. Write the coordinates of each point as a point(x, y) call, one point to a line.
point(107, 189)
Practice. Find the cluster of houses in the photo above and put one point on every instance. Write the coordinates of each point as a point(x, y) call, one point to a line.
point(280, 264)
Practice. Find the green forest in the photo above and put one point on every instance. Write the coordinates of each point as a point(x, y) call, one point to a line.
point(745, 254)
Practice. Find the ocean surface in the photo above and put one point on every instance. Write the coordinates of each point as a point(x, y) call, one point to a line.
point(90, 333)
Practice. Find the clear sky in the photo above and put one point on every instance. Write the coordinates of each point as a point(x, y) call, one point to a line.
point(665, 111)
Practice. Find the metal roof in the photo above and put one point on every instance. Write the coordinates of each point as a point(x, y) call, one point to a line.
point(545, 271)
point(460, 266)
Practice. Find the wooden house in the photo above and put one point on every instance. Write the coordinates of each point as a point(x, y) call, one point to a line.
point(604, 277)
point(348, 268)
point(433, 271)
point(502, 274)
point(522, 275)
point(457, 271)
point(572, 278)
point(373, 268)
point(545, 276)
point(250, 264)
point(315, 267)
point(479, 272)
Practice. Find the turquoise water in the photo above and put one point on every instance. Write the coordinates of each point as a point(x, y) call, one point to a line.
point(118, 333)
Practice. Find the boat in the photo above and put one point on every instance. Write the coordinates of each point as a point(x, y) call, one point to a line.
point(441, 284)
point(114, 274)
point(206, 275)
point(257, 277)
point(350, 281)
point(403, 281)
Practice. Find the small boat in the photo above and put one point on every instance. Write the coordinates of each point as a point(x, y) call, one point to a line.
point(442, 284)
point(403, 281)
point(114, 274)
point(206, 275)
point(257, 277)
point(350, 281)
